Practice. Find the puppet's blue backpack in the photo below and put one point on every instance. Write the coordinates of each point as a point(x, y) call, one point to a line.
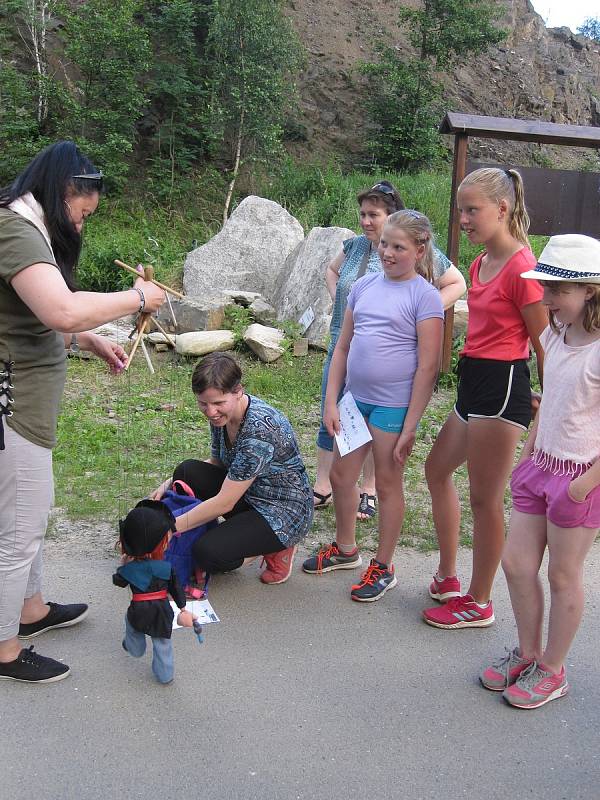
point(179, 551)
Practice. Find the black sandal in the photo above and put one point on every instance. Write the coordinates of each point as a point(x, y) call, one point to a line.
point(367, 506)
point(322, 499)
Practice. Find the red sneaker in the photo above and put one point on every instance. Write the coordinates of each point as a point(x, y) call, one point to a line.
point(197, 588)
point(460, 612)
point(278, 566)
point(443, 590)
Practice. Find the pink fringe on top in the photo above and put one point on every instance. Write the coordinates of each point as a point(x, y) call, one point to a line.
point(558, 466)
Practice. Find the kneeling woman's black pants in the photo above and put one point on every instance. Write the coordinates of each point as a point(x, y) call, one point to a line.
point(244, 533)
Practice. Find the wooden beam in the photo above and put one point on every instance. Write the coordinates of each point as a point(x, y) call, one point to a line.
point(461, 142)
point(524, 130)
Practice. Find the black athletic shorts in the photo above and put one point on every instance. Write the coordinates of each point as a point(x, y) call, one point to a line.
point(490, 389)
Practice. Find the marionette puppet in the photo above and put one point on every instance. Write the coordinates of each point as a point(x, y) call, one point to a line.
point(144, 535)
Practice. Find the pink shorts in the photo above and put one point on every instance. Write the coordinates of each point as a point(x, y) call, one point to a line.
point(537, 491)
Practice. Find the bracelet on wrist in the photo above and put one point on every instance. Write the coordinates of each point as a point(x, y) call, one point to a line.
point(142, 299)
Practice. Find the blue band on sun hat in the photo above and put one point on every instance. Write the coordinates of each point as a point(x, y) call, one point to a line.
point(558, 272)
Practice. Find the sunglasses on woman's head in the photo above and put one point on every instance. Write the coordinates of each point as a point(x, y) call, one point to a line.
point(97, 177)
point(382, 187)
point(90, 176)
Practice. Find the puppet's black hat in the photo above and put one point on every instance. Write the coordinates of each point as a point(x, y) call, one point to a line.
point(145, 526)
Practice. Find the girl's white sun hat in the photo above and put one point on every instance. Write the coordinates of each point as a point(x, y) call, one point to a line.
point(569, 257)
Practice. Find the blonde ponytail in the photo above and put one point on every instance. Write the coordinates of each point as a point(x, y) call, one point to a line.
point(519, 218)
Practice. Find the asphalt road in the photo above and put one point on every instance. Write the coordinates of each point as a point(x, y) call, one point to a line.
point(299, 693)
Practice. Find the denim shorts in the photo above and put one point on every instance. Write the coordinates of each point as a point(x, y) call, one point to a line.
point(324, 440)
point(539, 491)
point(386, 418)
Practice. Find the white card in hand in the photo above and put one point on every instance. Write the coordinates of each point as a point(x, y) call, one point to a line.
point(353, 428)
point(200, 608)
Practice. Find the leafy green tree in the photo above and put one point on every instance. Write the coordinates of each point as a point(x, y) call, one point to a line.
point(33, 19)
point(27, 85)
point(590, 28)
point(404, 95)
point(107, 52)
point(173, 124)
point(253, 54)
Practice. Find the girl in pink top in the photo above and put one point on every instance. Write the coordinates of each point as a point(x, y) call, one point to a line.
point(493, 406)
point(556, 484)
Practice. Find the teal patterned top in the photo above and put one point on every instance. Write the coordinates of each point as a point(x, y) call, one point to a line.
point(266, 449)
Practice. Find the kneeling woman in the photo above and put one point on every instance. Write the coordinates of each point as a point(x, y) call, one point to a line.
point(255, 478)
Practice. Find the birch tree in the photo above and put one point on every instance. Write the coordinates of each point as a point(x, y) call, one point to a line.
point(253, 54)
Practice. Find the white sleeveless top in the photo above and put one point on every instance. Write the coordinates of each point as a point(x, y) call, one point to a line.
point(568, 435)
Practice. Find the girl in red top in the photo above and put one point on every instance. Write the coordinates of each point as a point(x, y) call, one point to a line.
point(493, 406)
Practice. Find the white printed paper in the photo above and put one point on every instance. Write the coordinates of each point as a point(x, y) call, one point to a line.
point(353, 428)
point(199, 608)
point(307, 319)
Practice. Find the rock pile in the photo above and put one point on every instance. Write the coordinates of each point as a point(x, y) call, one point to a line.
point(262, 261)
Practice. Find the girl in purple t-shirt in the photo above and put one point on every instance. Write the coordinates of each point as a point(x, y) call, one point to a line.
point(388, 355)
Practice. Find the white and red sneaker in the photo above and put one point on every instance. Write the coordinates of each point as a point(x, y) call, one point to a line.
point(444, 589)
point(278, 566)
point(460, 612)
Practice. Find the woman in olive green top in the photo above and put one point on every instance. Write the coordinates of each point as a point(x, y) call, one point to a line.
point(41, 218)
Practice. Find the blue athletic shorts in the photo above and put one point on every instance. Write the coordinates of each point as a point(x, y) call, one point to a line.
point(385, 418)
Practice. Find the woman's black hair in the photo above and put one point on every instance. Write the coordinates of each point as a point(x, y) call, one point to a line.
point(53, 173)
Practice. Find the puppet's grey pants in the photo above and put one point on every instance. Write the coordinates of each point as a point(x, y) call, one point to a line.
point(26, 496)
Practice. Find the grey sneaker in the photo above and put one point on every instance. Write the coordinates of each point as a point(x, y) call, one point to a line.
point(536, 686)
point(505, 671)
point(329, 558)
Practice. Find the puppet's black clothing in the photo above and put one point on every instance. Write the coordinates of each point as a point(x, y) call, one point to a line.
point(153, 617)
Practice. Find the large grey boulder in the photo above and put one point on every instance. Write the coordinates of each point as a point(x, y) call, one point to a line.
point(248, 253)
point(301, 283)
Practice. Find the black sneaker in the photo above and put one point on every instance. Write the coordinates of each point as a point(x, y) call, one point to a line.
point(58, 617)
point(329, 558)
point(374, 582)
point(30, 667)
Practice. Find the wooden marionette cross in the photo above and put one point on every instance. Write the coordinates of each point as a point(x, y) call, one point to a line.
point(145, 319)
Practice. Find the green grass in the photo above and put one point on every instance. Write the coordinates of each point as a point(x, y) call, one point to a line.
point(120, 436)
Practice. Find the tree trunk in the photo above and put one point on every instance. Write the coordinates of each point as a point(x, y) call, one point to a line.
point(236, 167)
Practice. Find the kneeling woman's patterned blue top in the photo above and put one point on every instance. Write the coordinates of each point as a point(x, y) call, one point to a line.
point(266, 449)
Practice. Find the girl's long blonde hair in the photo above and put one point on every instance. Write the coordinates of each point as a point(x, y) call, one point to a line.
point(504, 184)
point(418, 228)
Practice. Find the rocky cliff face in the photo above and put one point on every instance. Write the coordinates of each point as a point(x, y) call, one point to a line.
point(535, 73)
